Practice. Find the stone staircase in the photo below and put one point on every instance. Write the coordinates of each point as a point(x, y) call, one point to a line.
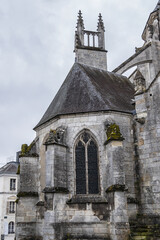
point(144, 232)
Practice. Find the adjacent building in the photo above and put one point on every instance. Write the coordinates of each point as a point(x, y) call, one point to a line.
point(93, 170)
point(8, 196)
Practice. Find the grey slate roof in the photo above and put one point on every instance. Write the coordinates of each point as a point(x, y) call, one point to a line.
point(87, 89)
point(9, 168)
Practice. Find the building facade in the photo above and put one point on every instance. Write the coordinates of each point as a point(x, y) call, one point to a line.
point(8, 196)
point(92, 171)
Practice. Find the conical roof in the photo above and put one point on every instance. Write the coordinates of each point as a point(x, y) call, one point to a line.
point(87, 89)
point(138, 75)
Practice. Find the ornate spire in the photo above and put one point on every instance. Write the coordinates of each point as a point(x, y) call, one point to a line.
point(80, 20)
point(79, 34)
point(100, 23)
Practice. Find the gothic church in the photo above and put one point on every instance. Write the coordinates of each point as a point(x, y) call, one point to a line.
point(93, 170)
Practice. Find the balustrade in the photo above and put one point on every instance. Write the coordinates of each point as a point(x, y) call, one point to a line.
point(91, 38)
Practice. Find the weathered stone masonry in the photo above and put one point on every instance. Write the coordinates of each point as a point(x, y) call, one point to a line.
point(93, 170)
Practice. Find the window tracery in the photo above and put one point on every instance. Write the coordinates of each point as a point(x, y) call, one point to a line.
point(86, 158)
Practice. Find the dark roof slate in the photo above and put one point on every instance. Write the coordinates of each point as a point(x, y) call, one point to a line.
point(9, 168)
point(87, 89)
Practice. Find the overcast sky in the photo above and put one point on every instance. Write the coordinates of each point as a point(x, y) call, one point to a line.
point(36, 53)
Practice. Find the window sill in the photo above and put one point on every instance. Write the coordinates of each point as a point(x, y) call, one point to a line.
point(87, 199)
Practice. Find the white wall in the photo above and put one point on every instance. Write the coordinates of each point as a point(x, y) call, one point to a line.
point(6, 196)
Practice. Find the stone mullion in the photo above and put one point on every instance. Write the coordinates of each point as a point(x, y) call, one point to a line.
point(93, 40)
point(86, 157)
point(88, 40)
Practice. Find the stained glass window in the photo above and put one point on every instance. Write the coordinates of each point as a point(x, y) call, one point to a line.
point(86, 158)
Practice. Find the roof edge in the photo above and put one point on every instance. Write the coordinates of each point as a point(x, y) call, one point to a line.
point(104, 111)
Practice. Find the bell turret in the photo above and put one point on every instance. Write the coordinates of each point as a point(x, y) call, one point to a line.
point(90, 45)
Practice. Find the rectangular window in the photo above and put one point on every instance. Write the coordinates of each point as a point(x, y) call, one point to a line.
point(2, 237)
point(11, 207)
point(12, 184)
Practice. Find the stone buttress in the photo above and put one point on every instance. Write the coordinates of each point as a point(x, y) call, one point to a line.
point(146, 79)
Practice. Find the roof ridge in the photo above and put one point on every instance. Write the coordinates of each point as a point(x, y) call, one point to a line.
point(106, 71)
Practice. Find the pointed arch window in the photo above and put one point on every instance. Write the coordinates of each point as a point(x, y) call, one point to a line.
point(86, 159)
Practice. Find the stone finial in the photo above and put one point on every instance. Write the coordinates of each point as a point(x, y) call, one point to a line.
point(100, 23)
point(80, 22)
point(113, 132)
point(56, 136)
point(29, 151)
point(79, 33)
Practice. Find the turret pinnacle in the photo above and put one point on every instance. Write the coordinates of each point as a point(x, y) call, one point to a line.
point(100, 23)
point(158, 6)
point(80, 22)
point(152, 28)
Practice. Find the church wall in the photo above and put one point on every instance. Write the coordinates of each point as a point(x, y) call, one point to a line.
point(96, 124)
point(29, 181)
point(27, 198)
point(69, 218)
point(148, 133)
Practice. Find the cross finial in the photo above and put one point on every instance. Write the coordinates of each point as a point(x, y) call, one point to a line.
point(100, 23)
point(80, 13)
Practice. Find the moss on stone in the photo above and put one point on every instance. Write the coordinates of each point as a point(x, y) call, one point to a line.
point(53, 131)
point(55, 190)
point(140, 230)
point(116, 187)
point(113, 132)
point(27, 194)
point(18, 170)
point(68, 236)
point(17, 200)
point(25, 150)
point(33, 238)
